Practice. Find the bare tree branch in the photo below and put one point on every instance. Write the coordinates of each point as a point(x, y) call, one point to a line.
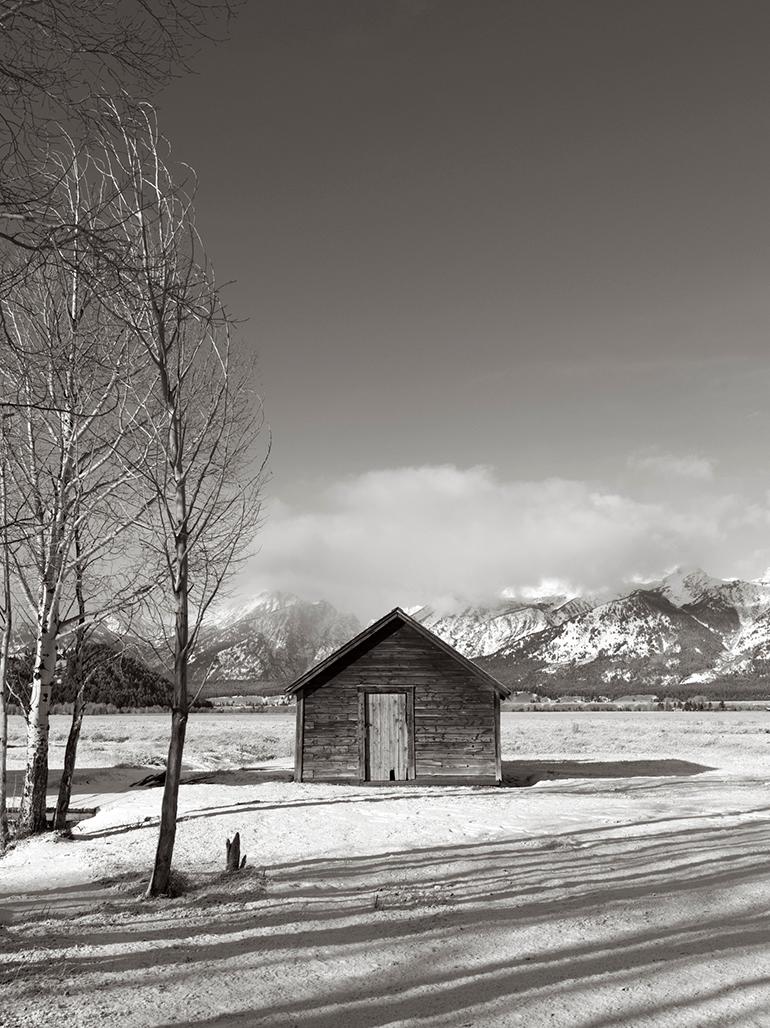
point(202, 459)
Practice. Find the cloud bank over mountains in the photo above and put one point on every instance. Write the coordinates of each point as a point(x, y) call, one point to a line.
point(670, 465)
point(444, 535)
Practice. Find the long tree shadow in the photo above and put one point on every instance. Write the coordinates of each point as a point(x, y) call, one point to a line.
point(477, 901)
point(428, 854)
point(431, 990)
point(399, 905)
point(515, 774)
point(232, 776)
point(364, 795)
point(465, 899)
point(488, 873)
point(462, 998)
point(664, 1011)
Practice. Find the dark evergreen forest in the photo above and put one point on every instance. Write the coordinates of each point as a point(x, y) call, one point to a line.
point(113, 679)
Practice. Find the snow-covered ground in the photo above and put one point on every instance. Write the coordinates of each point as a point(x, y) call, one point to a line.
point(627, 886)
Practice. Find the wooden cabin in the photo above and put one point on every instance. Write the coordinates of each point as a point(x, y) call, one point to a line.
point(398, 704)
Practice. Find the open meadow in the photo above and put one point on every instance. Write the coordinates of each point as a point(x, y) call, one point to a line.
point(624, 882)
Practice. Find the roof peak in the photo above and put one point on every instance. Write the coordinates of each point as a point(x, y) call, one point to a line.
point(371, 631)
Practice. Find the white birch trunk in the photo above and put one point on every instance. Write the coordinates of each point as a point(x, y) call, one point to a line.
point(33, 800)
point(5, 640)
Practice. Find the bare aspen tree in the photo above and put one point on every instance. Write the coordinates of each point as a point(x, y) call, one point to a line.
point(58, 486)
point(57, 60)
point(6, 612)
point(201, 469)
point(78, 706)
point(55, 57)
point(116, 593)
point(63, 372)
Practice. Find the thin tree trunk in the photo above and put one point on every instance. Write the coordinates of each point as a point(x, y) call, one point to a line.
point(79, 703)
point(159, 882)
point(5, 640)
point(33, 799)
point(161, 874)
point(5, 644)
point(70, 757)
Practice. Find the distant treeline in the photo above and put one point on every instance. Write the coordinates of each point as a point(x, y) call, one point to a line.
point(120, 682)
point(113, 679)
point(723, 689)
point(236, 687)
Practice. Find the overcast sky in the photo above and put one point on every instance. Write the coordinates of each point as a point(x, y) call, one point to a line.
point(506, 267)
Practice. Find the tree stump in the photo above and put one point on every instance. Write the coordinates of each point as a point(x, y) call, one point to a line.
point(234, 861)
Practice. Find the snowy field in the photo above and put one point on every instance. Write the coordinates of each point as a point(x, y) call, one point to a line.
point(628, 885)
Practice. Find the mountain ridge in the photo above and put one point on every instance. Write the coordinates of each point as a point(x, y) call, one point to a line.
point(684, 629)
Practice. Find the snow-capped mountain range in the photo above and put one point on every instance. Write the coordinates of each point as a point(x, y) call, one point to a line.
point(687, 628)
point(275, 637)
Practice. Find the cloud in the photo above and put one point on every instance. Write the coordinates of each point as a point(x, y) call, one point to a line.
point(670, 465)
point(443, 535)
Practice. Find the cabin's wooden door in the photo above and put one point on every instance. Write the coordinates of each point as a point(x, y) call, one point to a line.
point(387, 737)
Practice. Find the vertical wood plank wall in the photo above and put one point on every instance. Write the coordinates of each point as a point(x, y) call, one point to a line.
point(455, 715)
point(299, 739)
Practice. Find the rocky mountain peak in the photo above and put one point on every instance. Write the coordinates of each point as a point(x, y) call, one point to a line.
point(686, 585)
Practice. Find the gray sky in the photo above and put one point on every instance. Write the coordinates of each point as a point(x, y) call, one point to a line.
point(505, 266)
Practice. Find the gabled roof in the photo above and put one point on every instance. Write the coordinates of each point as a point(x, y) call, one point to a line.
point(374, 634)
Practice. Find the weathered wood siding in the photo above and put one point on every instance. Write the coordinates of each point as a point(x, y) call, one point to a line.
point(387, 734)
point(454, 713)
